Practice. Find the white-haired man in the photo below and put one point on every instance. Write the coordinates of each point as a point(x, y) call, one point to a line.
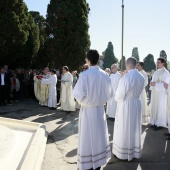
point(112, 103)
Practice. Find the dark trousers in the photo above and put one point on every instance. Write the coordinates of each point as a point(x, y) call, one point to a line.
point(58, 96)
point(8, 93)
point(95, 169)
point(15, 94)
point(21, 92)
point(3, 94)
point(149, 95)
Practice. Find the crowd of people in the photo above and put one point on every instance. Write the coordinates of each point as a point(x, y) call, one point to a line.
point(16, 85)
point(125, 96)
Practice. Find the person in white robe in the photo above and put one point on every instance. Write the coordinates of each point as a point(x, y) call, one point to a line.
point(52, 98)
point(143, 97)
point(92, 91)
point(66, 96)
point(42, 90)
point(127, 127)
point(159, 94)
point(112, 103)
point(168, 114)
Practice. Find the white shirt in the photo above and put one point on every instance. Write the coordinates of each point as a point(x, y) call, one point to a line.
point(2, 79)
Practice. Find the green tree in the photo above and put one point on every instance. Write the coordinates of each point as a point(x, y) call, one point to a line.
point(40, 21)
point(149, 63)
point(164, 55)
point(30, 50)
point(109, 57)
point(122, 63)
point(135, 53)
point(67, 30)
point(18, 34)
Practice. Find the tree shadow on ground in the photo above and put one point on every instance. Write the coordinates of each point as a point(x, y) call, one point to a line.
point(67, 125)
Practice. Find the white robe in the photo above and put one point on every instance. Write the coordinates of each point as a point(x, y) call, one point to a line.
point(143, 98)
point(112, 104)
point(92, 91)
point(168, 114)
point(52, 98)
point(159, 96)
point(41, 92)
point(127, 127)
point(66, 96)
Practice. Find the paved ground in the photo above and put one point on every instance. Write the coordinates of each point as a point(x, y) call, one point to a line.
point(62, 141)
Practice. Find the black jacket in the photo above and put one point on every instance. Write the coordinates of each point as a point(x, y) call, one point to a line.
point(6, 80)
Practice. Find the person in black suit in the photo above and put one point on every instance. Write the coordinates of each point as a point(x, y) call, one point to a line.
point(4, 83)
point(8, 95)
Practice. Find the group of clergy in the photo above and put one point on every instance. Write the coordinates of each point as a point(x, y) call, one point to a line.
point(160, 91)
point(46, 92)
point(126, 100)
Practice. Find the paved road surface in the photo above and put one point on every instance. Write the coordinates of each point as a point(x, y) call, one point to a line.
point(61, 147)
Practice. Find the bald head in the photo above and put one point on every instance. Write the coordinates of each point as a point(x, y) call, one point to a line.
point(131, 63)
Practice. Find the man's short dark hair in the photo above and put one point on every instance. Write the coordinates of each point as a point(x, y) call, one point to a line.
point(131, 61)
point(53, 71)
point(66, 68)
point(161, 59)
point(141, 64)
point(93, 56)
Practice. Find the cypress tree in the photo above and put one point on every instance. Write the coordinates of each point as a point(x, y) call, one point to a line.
point(135, 53)
point(149, 63)
point(122, 63)
point(67, 31)
point(18, 34)
point(109, 57)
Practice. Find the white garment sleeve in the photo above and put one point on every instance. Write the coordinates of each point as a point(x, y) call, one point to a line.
point(121, 90)
point(46, 81)
point(117, 83)
point(70, 81)
point(146, 80)
point(160, 87)
point(167, 79)
point(80, 90)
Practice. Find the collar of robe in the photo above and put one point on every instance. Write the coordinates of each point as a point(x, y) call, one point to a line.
point(94, 67)
point(132, 70)
point(161, 69)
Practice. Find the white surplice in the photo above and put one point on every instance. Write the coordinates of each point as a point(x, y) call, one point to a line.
point(92, 91)
point(112, 104)
point(52, 98)
point(127, 127)
point(143, 98)
point(168, 108)
point(66, 96)
point(159, 96)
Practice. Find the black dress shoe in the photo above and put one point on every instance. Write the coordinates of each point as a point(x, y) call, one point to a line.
point(52, 108)
point(157, 128)
point(168, 138)
point(153, 126)
point(110, 118)
point(167, 134)
point(68, 112)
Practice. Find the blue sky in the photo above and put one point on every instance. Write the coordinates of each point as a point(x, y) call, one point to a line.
point(147, 25)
